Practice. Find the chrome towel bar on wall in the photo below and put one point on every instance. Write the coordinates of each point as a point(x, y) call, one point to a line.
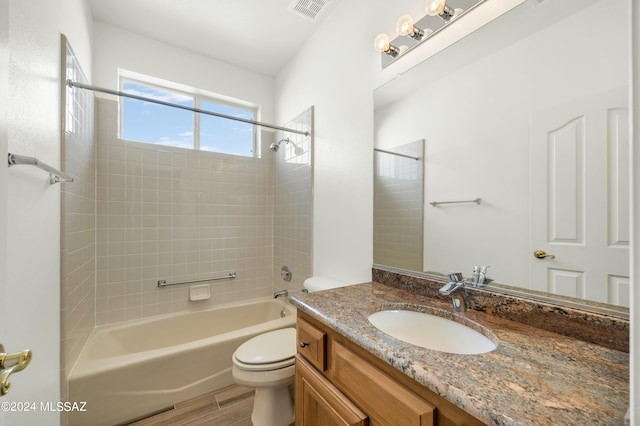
point(229, 276)
point(55, 175)
point(437, 203)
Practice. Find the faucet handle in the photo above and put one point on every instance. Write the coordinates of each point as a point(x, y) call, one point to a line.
point(447, 288)
point(455, 277)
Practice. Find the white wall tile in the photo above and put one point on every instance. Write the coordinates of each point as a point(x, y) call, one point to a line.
point(177, 215)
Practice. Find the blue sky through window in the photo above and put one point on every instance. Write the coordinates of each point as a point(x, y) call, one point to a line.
point(157, 124)
point(153, 123)
point(223, 135)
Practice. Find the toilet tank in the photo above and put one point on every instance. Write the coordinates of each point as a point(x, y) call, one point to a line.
point(322, 283)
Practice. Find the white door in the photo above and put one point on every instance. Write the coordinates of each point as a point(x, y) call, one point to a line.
point(4, 83)
point(580, 180)
point(29, 219)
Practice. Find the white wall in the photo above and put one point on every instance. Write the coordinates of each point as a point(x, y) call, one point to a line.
point(32, 222)
point(333, 72)
point(635, 225)
point(116, 48)
point(4, 92)
point(485, 108)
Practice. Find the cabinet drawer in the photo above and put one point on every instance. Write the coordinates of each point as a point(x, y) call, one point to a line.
point(312, 344)
point(318, 402)
point(386, 401)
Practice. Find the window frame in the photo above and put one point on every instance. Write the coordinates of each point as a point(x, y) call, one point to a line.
point(198, 96)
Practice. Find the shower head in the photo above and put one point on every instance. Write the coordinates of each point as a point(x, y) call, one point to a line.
point(275, 146)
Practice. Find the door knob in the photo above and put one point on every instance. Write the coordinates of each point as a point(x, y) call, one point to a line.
point(541, 254)
point(9, 364)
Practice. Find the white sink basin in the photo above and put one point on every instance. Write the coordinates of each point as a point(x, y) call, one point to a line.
point(431, 332)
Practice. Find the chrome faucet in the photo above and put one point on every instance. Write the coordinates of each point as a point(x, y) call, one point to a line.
point(280, 293)
point(456, 282)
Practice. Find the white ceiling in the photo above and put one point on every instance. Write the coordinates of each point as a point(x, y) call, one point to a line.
point(259, 35)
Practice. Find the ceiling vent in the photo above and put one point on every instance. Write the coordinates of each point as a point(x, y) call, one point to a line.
point(309, 9)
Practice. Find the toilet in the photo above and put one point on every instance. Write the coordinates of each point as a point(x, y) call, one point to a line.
point(266, 363)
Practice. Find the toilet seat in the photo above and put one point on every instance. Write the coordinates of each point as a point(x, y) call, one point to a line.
point(269, 351)
point(264, 367)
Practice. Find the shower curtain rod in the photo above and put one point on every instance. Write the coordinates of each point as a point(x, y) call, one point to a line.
point(71, 83)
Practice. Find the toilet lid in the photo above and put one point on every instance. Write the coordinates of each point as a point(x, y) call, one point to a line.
point(268, 348)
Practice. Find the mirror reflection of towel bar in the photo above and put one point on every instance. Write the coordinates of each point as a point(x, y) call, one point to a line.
point(437, 203)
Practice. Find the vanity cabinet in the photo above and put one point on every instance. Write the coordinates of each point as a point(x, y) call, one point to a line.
point(318, 402)
point(312, 344)
point(339, 383)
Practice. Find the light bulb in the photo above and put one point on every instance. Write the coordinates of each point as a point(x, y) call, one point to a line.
point(439, 8)
point(435, 7)
point(404, 25)
point(382, 42)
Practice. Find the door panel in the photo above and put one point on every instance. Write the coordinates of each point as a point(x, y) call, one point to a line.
point(619, 177)
point(566, 283)
point(579, 198)
point(565, 174)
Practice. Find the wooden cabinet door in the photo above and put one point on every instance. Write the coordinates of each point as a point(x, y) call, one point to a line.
point(312, 344)
point(386, 401)
point(319, 403)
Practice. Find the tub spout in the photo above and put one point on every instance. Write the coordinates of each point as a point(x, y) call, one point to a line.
point(280, 293)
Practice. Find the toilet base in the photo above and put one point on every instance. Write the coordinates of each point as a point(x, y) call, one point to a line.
point(273, 406)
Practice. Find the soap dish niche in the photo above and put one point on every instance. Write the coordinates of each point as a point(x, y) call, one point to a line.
point(200, 292)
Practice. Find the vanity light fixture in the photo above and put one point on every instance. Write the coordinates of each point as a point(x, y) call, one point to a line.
point(439, 15)
point(405, 27)
point(383, 44)
point(439, 8)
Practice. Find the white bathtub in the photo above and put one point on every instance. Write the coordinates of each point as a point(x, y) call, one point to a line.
point(129, 370)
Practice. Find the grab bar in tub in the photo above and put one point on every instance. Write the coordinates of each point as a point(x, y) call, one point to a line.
point(229, 276)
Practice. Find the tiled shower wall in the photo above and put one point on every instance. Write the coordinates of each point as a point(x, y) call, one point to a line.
point(293, 204)
point(172, 214)
point(399, 207)
point(78, 220)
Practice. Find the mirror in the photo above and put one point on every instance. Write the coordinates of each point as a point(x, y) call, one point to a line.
point(398, 204)
point(529, 114)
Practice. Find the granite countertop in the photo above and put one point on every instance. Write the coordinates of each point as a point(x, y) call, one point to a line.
point(533, 377)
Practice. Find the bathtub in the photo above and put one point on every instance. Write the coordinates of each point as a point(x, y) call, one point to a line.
point(129, 370)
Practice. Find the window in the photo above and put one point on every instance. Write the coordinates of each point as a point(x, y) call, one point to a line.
point(153, 123)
